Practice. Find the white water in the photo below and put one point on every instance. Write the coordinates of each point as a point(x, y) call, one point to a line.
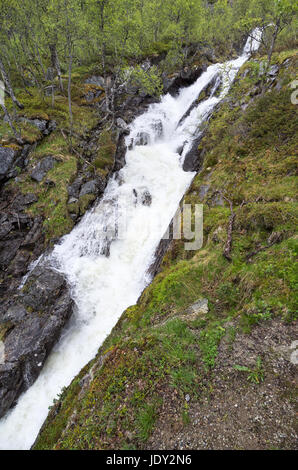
point(104, 287)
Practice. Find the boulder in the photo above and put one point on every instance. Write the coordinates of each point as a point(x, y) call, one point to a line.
point(33, 321)
point(95, 186)
point(74, 188)
point(7, 159)
point(194, 158)
point(95, 80)
point(200, 307)
point(146, 198)
point(42, 168)
point(143, 138)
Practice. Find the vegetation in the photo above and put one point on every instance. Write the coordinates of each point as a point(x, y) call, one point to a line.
point(159, 352)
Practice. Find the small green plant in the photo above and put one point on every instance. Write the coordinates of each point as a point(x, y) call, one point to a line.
point(185, 414)
point(209, 341)
point(255, 375)
point(146, 420)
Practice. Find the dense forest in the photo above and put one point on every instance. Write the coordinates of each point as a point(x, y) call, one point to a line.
point(42, 41)
point(156, 105)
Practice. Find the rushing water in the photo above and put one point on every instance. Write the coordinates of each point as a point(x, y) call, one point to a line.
point(103, 287)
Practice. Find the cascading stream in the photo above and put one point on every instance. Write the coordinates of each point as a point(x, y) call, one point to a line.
point(127, 225)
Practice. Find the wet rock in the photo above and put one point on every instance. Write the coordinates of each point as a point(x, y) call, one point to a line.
point(92, 187)
point(36, 318)
point(120, 153)
point(42, 168)
point(208, 91)
point(185, 78)
point(51, 126)
point(7, 159)
point(146, 198)
point(157, 128)
point(143, 138)
point(194, 158)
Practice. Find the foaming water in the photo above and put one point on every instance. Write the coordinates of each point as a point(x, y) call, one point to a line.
point(142, 200)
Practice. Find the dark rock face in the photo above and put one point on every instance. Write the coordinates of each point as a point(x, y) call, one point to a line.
point(32, 322)
point(185, 78)
point(74, 188)
point(10, 159)
point(21, 238)
point(120, 152)
point(7, 157)
point(42, 168)
point(193, 159)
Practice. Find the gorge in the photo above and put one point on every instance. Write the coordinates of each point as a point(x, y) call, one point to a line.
point(107, 274)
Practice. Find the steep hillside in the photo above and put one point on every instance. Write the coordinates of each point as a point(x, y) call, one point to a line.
point(206, 358)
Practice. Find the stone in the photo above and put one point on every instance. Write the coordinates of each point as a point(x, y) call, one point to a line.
point(95, 80)
point(42, 168)
point(41, 124)
point(157, 128)
point(74, 189)
point(193, 158)
point(7, 158)
point(89, 188)
point(200, 307)
point(146, 198)
point(29, 198)
point(72, 200)
point(143, 138)
point(121, 124)
point(36, 319)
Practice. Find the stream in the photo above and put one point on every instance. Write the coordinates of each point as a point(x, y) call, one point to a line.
point(106, 257)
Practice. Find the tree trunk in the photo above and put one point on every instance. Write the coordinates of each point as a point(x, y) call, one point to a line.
point(270, 52)
point(56, 64)
point(69, 94)
point(8, 86)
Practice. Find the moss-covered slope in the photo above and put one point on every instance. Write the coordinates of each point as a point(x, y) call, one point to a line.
point(175, 374)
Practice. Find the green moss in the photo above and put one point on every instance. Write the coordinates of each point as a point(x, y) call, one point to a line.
point(105, 156)
point(85, 201)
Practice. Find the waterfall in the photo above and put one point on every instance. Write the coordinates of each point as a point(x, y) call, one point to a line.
point(107, 255)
